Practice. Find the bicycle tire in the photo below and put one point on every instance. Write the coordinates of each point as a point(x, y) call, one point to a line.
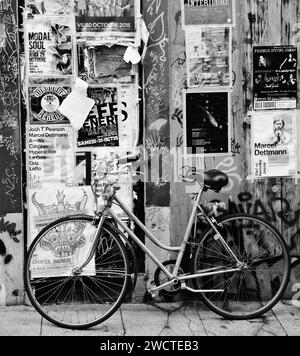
point(76, 300)
point(251, 292)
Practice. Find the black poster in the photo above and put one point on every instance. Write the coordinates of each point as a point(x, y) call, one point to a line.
point(101, 126)
point(275, 77)
point(207, 123)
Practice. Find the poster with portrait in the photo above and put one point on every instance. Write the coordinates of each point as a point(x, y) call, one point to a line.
point(275, 77)
point(44, 101)
point(209, 56)
point(101, 128)
point(104, 64)
point(208, 12)
point(49, 7)
point(106, 17)
point(207, 122)
point(274, 144)
point(49, 47)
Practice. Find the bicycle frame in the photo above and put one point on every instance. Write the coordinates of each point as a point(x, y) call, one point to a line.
point(173, 277)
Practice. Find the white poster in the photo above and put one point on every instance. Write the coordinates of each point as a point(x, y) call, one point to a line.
point(49, 46)
point(63, 249)
point(274, 144)
point(208, 53)
point(50, 155)
point(55, 202)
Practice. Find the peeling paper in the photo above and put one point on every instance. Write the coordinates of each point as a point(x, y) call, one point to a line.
point(77, 105)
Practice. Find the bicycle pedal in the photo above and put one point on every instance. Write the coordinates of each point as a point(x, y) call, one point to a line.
point(150, 297)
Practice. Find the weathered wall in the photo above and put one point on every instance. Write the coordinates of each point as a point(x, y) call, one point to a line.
point(11, 218)
point(267, 22)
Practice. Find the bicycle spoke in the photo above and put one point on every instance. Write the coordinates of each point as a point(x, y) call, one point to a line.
point(246, 293)
point(82, 298)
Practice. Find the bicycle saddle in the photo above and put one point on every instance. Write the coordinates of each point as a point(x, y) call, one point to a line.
point(215, 180)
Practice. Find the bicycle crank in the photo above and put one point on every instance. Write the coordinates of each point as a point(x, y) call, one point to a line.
point(160, 279)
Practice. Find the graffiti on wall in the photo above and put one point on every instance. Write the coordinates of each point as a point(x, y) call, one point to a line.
point(10, 144)
point(8, 231)
point(156, 86)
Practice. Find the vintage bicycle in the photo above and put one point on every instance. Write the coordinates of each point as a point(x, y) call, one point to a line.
point(79, 269)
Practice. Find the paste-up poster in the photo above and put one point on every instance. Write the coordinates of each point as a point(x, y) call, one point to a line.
point(274, 144)
point(49, 46)
point(209, 56)
point(103, 64)
point(104, 17)
point(62, 247)
point(275, 77)
point(55, 202)
point(44, 101)
point(207, 122)
point(50, 155)
point(49, 7)
point(208, 12)
point(101, 126)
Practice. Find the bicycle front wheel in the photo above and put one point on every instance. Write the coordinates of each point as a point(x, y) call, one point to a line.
point(61, 288)
point(261, 278)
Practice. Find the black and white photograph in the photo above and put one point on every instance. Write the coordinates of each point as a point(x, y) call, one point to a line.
point(149, 174)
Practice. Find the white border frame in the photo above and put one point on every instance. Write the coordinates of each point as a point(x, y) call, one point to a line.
point(207, 91)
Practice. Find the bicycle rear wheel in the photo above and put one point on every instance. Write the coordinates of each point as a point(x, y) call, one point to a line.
point(259, 284)
point(60, 290)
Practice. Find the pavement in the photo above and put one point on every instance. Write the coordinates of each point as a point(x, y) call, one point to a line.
point(161, 320)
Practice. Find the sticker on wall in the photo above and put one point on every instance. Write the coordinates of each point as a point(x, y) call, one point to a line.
point(44, 101)
point(106, 17)
point(274, 144)
point(208, 53)
point(49, 46)
point(50, 7)
point(207, 122)
point(103, 64)
point(209, 12)
point(275, 77)
point(101, 127)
